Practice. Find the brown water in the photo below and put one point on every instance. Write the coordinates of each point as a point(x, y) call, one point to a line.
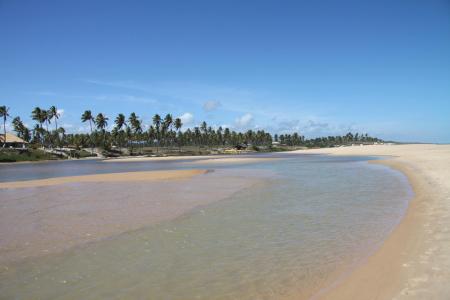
point(293, 231)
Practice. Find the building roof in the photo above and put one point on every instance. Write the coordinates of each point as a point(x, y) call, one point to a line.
point(11, 138)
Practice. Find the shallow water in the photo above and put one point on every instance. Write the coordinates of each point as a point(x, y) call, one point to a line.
point(310, 220)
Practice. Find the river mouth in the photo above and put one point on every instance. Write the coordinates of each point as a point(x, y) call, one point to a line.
point(298, 224)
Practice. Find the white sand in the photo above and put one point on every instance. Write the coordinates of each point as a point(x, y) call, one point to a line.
point(414, 262)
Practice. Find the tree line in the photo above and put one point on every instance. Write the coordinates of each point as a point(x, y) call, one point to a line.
point(162, 132)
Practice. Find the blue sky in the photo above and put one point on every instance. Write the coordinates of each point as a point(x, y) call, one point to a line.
point(317, 67)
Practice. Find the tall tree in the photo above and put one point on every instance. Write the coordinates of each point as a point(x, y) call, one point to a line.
point(87, 117)
point(45, 117)
point(135, 125)
point(54, 114)
point(4, 114)
point(157, 124)
point(39, 116)
point(101, 122)
point(168, 121)
point(37, 133)
point(120, 121)
point(19, 127)
point(178, 124)
point(167, 128)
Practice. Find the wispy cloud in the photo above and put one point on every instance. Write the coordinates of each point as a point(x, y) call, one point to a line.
point(211, 105)
point(125, 98)
point(244, 121)
point(185, 92)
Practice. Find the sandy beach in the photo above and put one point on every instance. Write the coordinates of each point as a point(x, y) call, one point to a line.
point(414, 262)
point(49, 216)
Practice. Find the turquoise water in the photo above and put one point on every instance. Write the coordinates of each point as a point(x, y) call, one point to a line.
point(308, 221)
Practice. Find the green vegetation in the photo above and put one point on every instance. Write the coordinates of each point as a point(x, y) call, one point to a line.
point(163, 136)
point(12, 155)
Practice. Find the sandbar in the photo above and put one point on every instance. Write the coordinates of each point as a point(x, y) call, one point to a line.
point(109, 177)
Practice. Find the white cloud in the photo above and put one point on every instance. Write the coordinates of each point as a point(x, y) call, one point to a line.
point(244, 120)
point(211, 105)
point(187, 119)
point(60, 112)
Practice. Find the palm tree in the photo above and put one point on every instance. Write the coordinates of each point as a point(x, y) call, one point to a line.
point(178, 126)
point(4, 113)
point(134, 122)
point(168, 121)
point(119, 133)
point(135, 125)
point(167, 126)
point(101, 122)
point(85, 117)
point(120, 121)
point(157, 123)
point(45, 117)
point(19, 127)
point(38, 115)
point(204, 129)
point(54, 114)
point(37, 133)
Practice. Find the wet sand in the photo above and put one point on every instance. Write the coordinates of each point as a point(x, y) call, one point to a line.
point(42, 217)
point(112, 177)
point(414, 262)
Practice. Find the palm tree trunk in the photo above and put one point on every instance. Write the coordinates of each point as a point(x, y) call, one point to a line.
point(4, 131)
point(57, 134)
point(48, 134)
point(90, 137)
point(42, 137)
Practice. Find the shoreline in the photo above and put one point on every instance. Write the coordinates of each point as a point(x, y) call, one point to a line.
point(404, 265)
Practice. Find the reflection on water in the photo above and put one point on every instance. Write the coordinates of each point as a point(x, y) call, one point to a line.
point(286, 237)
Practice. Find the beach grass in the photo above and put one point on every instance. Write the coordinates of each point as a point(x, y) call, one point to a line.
point(13, 155)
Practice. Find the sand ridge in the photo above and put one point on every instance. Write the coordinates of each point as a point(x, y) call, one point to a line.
point(109, 177)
